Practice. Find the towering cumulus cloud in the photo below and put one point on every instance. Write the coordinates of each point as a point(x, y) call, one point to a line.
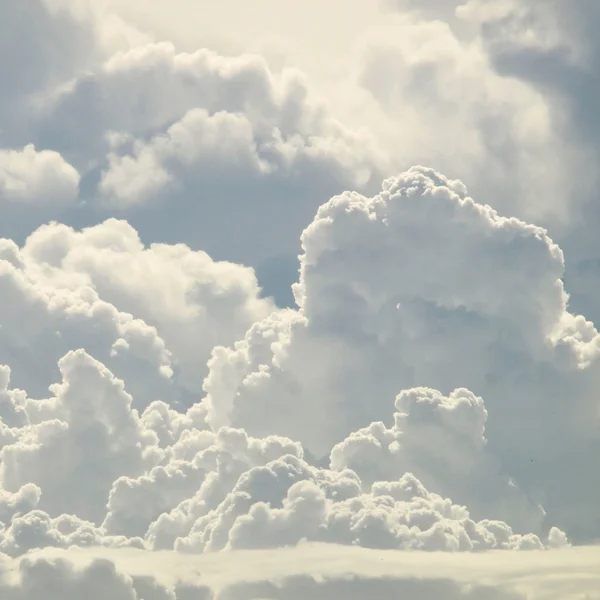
point(247, 351)
point(420, 285)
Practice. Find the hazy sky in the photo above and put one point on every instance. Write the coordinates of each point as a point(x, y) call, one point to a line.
point(299, 299)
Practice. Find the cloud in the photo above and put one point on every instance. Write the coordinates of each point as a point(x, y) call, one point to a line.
point(395, 290)
point(88, 438)
point(53, 45)
point(330, 572)
point(215, 141)
point(498, 94)
point(216, 151)
point(130, 305)
point(29, 176)
point(442, 103)
point(34, 186)
point(57, 40)
point(443, 10)
point(543, 64)
point(555, 52)
point(84, 468)
point(422, 423)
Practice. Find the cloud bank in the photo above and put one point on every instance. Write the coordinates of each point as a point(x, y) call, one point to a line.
point(249, 350)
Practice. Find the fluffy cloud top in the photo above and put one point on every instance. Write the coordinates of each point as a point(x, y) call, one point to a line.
point(156, 311)
point(395, 292)
point(29, 176)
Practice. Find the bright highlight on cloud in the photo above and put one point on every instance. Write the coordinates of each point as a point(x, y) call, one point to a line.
point(408, 408)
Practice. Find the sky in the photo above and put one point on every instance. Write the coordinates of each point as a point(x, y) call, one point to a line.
point(299, 299)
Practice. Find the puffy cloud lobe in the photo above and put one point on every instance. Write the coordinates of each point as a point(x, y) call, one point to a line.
point(85, 469)
point(36, 529)
point(54, 580)
point(395, 290)
point(146, 311)
point(36, 314)
point(23, 501)
point(91, 438)
point(172, 84)
point(29, 176)
point(331, 507)
point(442, 441)
point(35, 186)
point(201, 469)
point(214, 151)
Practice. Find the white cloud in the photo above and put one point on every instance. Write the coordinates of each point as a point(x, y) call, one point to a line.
point(502, 92)
point(218, 151)
point(89, 437)
point(29, 176)
point(422, 284)
point(331, 572)
point(84, 468)
point(150, 310)
point(186, 413)
point(35, 185)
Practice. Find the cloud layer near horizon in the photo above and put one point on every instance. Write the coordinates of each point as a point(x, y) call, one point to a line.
point(429, 381)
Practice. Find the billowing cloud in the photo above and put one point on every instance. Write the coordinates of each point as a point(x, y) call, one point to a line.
point(211, 143)
point(211, 150)
point(442, 103)
point(514, 82)
point(35, 186)
point(395, 291)
point(556, 51)
point(156, 311)
point(85, 458)
point(416, 416)
point(29, 177)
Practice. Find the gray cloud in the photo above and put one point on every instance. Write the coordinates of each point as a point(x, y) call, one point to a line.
point(554, 49)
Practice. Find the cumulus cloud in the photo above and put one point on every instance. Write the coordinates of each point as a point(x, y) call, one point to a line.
point(555, 51)
point(57, 40)
point(28, 176)
point(214, 151)
point(425, 412)
point(34, 186)
point(394, 292)
point(93, 456)
point(518, 87)
point(444, 104)
point(152, 310)
point(85, 468)
point(89, 437)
